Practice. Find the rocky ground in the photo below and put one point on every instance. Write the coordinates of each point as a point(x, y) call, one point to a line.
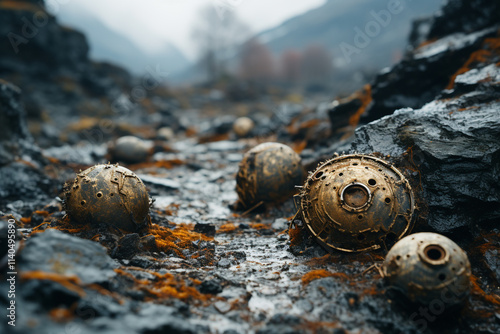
point(203, 268)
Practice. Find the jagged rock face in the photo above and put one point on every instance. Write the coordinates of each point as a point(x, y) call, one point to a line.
point(424, 73)
point(36, 43)
point(454, 145)
point(14, 135)
point(468, 16)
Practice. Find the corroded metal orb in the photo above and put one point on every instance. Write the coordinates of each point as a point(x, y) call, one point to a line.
point(108, 194)
point(130, 149)
point(356, 203)
point(427, 268)
point(243, 126)
point(268, 173)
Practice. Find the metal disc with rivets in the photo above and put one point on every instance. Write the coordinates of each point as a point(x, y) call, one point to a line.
point(108, 194)
point(356, 203)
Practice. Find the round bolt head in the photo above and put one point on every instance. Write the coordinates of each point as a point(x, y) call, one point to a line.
point(110, 195)
point(356, 203)
point(426, 267)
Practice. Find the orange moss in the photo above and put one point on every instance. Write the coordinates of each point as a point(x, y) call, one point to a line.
point(366, 98)
point(320, 261)
point(19, 5)
point(321, 273)
point(62, 314)
point(227, 228)
point(180, 237)
point(71, 283)
point(190, 132)
point(64, 225)
point(213, 138)
point(477, 291)
point(297, 235)
point(299, 146)
point(166, 286)
point(317, 327)
point(167, 164)
point(260, 226)
point(491, 48)
point(428, 42)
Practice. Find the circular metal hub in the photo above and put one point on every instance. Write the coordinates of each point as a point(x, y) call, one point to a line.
point(357, 202)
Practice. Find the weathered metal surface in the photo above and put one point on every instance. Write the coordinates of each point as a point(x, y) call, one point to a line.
point(108, 194)
point(268, 173)
point(427, 267)
point(356, 203)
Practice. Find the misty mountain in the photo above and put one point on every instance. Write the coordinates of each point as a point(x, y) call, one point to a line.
point(336, 24)
point(114, 47)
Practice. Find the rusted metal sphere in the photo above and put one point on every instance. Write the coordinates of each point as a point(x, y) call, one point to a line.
point(428, 267)
point(243, 126)
point(268, 173)
point(108, 194)
point(130, 149)
point(356, 203)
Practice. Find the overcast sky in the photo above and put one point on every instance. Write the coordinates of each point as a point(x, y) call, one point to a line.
point(150, 22)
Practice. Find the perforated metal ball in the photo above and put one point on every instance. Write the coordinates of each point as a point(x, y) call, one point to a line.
point(268, 173)
point(356, 203)
point(108, 194)
point(428, 267)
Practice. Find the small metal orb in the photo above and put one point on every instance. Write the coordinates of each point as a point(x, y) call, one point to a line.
point(243, 126)
point(427, 267)
point(268, 173)
point(356, 203)
point(110, 195)
point(130, 149)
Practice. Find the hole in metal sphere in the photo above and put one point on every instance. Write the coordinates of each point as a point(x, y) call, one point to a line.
point(442, 277)
point(99, 194)
point(435, 252)
point(372, 182)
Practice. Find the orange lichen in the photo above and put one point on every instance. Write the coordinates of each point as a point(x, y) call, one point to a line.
point(321, 273)
point(180, 237)
point(365, 96)
point(477, 291)
point(166, 286)
point(227, 228)
point(167, 164)
point(19, 5)
point(320, 261)
point(491, 47)
point(260, 226)
point(299, 146)
point(297, 235)
point(213, 138)
point(62, 314)
point(64, 225)
point(71, 283)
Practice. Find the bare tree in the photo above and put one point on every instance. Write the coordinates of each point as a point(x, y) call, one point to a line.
point(217, 38)
point(290, 64)
point(257, 62)
point(317, 65)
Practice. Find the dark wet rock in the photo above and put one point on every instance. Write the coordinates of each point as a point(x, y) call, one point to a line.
point(55, 252)
point(224, 263)
point(420, 78)
point(212, 286)
point(159, 182)
point(492, 259)
point(21, 181)
point(455, 148)
point(205, 228)
point(142, 262)
point(130, 149)
point(15, 139)
point(128, 246)
point(468, 16)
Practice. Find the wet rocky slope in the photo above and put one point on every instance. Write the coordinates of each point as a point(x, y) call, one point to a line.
point(202, 268)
